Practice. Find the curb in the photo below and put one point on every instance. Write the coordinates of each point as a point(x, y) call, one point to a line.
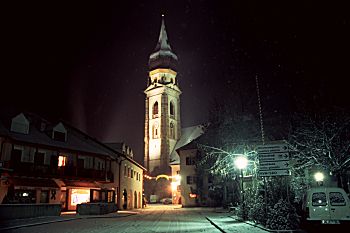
point(60, 220)
point(266, 229)
point(215, 225)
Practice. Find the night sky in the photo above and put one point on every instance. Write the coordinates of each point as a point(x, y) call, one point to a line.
point(86, 62)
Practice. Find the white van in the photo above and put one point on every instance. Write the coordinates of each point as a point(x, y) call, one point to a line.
point(326, 205)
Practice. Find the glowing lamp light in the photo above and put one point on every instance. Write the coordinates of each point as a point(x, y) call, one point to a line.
point(193, 195)
point(177, 177)
point(241, 162)
point(319, 177)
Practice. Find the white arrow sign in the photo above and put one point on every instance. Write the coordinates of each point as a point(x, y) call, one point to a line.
point(273, 165)
point(284, 156)
point(282, 172)
point(272, 148)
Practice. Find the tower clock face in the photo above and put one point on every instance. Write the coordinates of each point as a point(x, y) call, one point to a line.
point(156, 124)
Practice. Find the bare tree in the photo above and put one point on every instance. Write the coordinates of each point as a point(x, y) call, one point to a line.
point(323, 140)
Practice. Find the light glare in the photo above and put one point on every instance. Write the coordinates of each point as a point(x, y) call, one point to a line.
point(241, 162)
point(319, 176)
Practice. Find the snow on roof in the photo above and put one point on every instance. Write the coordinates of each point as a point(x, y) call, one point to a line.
point(76, 139)
point(187, 136)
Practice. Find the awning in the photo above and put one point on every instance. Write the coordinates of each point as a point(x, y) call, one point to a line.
point(82, 184)
point(33, 182)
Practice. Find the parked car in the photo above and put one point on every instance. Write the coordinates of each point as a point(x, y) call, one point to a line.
point(326, 205)
point(166, 201)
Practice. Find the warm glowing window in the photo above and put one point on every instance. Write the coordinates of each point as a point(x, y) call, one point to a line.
point(79, 196)
point(155, 110)
point(172, 109)
point(110, 196)
point(62, 161)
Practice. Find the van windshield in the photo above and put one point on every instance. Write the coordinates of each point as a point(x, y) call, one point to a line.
point(336, 199)
point(319, 199)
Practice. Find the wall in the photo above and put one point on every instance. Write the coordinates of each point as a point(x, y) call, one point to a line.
point(96, 208)
point(131, 185)
point(14, 211)
point(187, 170)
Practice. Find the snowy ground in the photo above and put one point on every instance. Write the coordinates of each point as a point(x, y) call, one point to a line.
point(156, 218)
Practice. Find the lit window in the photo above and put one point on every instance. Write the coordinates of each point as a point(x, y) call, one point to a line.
point(62, 161)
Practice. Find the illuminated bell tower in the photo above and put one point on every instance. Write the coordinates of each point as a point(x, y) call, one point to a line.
point(162, 119)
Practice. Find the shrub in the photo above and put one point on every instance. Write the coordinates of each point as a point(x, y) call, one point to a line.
point(282, 216)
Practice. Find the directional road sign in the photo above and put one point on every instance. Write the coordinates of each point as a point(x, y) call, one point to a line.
point(275, 165)
point(277, 156)
point(271, 148)
point(273, 160)
point(282, 172)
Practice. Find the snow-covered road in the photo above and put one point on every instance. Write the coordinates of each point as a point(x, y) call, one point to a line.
point(157, 218)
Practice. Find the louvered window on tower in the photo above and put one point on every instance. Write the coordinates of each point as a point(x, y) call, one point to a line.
point(155, 110)
point(172, 132)
point(155, 130)
point(172, 110)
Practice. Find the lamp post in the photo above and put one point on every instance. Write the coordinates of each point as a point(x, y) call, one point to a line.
point(241, 163)
point(319, 177)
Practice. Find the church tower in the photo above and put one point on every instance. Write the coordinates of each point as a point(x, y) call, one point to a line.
point(162, 119)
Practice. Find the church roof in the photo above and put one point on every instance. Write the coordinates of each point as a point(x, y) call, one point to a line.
point(187, 136)
point(162, 56)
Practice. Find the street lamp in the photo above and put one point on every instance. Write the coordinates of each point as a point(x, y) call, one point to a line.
point(241, 163)
point(319, 177)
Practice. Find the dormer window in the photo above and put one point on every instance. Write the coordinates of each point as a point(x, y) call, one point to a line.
point(20, 124)
point(59, 133)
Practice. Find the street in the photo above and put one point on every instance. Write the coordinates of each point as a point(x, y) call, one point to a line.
point(154, 218)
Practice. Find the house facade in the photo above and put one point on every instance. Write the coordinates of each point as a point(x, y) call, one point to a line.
point(42, 162)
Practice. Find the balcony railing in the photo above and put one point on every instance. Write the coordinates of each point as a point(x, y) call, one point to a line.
point(61, 172)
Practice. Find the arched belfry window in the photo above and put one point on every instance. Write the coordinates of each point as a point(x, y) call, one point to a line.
point(155, 110)
point(172, 130)
point(172, 109)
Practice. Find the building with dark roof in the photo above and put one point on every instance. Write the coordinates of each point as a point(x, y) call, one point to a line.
point(45, 162)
